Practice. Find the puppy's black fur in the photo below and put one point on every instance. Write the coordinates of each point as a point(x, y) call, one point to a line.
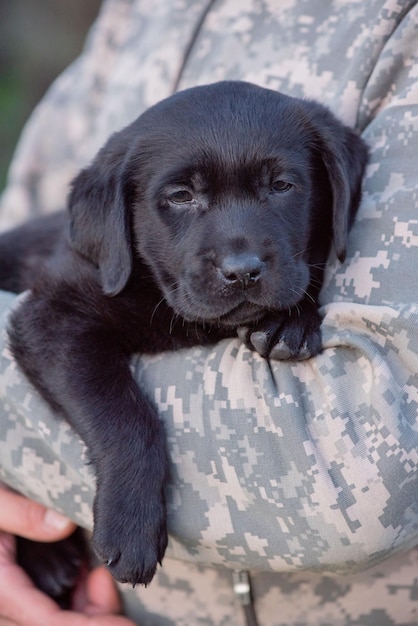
point(215, 211)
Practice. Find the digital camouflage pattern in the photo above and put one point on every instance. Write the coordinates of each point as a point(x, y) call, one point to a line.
point(304, 473)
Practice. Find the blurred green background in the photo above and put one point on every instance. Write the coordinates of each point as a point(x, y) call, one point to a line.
point(38, 39)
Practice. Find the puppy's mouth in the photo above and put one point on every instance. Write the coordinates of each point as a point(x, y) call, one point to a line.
point(229, 310)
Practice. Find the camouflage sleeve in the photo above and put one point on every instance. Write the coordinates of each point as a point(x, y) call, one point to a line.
point(304, 466)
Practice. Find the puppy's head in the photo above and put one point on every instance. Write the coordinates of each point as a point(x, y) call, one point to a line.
point(230, 193)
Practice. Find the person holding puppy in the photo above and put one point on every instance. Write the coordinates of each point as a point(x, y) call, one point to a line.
point(303, 474)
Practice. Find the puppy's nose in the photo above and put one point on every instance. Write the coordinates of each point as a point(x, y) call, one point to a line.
point(242, 270)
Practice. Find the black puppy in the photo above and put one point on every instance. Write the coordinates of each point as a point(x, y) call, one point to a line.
point(214, 212)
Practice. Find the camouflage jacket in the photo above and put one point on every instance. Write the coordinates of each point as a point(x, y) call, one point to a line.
point(306, 474)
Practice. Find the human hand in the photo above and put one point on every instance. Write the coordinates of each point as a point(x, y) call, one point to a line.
point(96, 603)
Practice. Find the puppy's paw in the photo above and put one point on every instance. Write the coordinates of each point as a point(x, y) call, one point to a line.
point(283, 337)
point(132, 541)
point(55, 568)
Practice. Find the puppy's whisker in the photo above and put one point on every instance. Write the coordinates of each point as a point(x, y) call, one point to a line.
point(172, 289)
point(309, 296)
point(320, 266)
point(154, 310)
point(173, 321)
point(300, 253)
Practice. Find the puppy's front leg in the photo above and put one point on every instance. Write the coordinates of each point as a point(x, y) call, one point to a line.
point(82, 370)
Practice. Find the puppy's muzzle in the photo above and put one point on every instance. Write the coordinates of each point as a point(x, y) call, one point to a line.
point(241, 270)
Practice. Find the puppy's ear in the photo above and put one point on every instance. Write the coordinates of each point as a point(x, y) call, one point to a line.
point(344, 155)
point(100, 217)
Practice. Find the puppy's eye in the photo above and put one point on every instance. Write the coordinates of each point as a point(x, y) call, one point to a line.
point(181, 196)
point(280, 186)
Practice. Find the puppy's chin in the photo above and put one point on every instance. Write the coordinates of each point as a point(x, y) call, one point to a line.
point(241, 315)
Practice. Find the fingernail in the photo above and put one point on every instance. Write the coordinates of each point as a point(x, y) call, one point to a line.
point(56, 520)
